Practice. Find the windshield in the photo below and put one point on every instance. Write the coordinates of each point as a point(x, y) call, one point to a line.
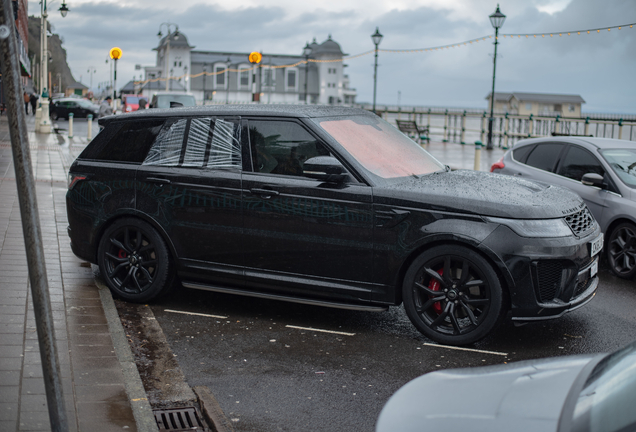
point(381, 149)
point(606, 402)
point(623, 162)
point(163, 101)
point(85, 103)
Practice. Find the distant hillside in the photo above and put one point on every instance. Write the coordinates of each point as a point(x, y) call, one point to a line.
point(58, 55)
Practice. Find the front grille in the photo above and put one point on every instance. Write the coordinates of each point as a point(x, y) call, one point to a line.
point(549, 277)
point(580, 223)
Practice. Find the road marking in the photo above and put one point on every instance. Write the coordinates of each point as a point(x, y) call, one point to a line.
point(466, 349)
point(194, 313)
point(320, 330)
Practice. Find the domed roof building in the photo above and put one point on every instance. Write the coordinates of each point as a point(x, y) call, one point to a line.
point(229, 77)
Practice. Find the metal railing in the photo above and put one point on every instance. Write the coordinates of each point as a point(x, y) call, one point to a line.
point(469, 125)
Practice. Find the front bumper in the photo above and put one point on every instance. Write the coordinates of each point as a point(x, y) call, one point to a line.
point(549, 276)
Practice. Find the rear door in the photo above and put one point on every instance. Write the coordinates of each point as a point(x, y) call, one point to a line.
point(190, 184)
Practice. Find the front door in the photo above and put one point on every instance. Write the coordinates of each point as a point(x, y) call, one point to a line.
point(303, 236)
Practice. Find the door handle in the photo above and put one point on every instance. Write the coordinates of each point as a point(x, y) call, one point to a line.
point(162, 181)
point(264, 193)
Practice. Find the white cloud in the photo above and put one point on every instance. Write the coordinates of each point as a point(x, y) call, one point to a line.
point(598, 66)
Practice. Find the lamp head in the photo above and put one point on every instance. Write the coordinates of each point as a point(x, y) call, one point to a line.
point(497, 19)
point(307, 50)
point(63, 9)
point(377, 37)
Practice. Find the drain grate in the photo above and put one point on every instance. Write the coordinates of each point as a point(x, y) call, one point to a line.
point(179, 419)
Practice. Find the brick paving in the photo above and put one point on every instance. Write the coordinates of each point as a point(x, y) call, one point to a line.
point(92, 378)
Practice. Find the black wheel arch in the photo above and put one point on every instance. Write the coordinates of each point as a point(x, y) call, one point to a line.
point(505, 278)
point(141, 216)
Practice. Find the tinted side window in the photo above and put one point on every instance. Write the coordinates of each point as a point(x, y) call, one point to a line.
point(545, 156)
point(124, 141)
point(197, 142)
point(577, 162)
point(520, 154)
point(281, 147)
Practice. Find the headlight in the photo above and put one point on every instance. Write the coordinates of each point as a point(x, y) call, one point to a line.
point(535, 227)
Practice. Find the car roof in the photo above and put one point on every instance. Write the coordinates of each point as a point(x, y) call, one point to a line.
point(601, 143)
point(291, 111)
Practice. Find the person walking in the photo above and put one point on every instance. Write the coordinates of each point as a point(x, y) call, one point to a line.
point(34, 102)
point(26, 102)
point(105, 108)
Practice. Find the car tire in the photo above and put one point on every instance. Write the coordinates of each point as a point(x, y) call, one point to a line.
point(621, 250)
point(452, 295)
point(134, 261)
point(53, 116)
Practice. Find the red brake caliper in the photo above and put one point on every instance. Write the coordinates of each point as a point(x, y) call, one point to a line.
point(434, 285)
point(121, 253)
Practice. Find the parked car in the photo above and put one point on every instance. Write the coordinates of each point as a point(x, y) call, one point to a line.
point(164, 100)
point(130, 103)
point(584, 393)
point(329, 206)
point(601, 170)
point(80, 108)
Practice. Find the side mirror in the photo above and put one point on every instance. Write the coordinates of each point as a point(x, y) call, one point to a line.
point(592, 179)
point(325, 168)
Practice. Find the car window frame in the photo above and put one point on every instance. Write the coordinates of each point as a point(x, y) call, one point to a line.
point(556, 162)
point(170, 121)
point(353, 176)
point(564, 155)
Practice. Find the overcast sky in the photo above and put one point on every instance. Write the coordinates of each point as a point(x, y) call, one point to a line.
point(600, 67)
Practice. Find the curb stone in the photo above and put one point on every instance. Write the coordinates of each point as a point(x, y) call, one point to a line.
point(142, 411)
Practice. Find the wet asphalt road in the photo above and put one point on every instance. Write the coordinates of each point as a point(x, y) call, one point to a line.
point(270, 373)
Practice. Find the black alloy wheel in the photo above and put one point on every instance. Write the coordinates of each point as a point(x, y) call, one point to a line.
point(134, 261)
point(453, 295)
point(621, 250)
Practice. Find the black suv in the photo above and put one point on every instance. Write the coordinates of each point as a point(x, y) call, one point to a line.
point(329, 206)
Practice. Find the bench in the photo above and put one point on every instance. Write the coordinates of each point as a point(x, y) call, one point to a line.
point(410, 128)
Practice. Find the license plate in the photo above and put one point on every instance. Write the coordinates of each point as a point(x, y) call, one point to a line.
point(594, 268)
point(596, 245)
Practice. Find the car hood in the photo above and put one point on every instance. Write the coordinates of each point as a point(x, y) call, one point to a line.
point(524, 396)
point(484, 194)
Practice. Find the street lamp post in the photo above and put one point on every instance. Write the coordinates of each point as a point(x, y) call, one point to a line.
point(306, 51)
point(227, 84)
point(205, 73)
point(496, 19)
point(376, 38)
point(91, 70)
point(43, 125)
point(176, 36)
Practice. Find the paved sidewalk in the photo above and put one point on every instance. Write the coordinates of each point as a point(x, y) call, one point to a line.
point(95, 380)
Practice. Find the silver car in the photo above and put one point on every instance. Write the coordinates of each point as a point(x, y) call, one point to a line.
point(601, 170)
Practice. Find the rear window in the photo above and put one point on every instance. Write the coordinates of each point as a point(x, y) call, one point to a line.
point(545, 156)
point(123, 141)
point(202, 142)
point(521, 153)
point(132, 100)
